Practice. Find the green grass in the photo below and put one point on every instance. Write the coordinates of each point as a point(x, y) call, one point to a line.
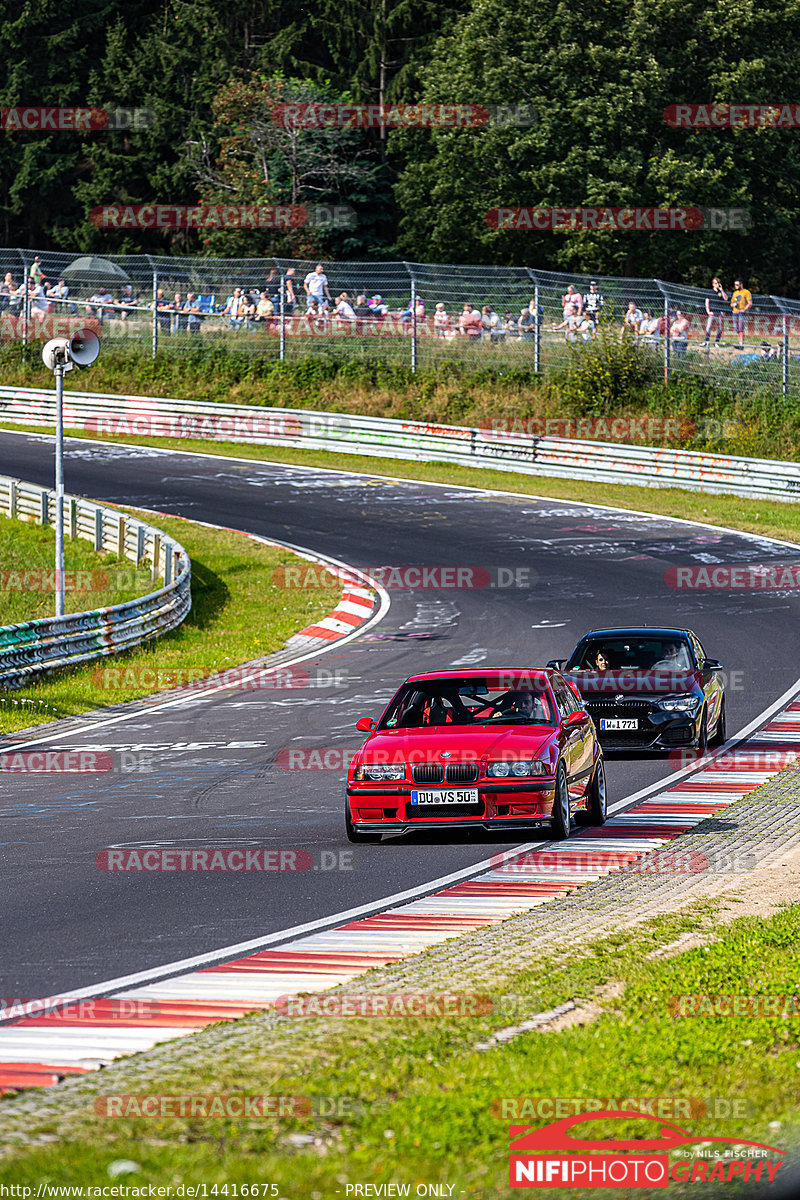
point(27, 554)
point(237, 615)
point(431, 1105)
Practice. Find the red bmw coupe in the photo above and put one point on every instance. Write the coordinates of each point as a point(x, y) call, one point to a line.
point(504, 748)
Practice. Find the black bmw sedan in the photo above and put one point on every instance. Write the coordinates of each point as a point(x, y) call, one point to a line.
point(648, 688)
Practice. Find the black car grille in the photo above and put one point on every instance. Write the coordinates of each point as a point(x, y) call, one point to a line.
point(428, 773)
point(452, 773)
point(461, 772)
point(610, 708)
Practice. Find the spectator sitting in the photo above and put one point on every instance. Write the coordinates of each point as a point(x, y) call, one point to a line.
point(420, 307)
point(265, 310)
point(379, 309)
point(492, 325)
point(570, 323)
point(527, 323)
point(441, 321)
point(767, 352)
point(511, 325)
point(470, 322)
point(586, 328)
point(362, 309)
point(247, 309)
point(570, 299)
point(648, 329)
point(632, 319)
point(193, 322)
point(344, 308)
point(234, 309)
point(95, 304)
point(129, 297)
point(679, 332)
point(7, 290)
point(58, 295)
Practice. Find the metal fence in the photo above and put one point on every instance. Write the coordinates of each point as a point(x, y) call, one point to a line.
point(32, 648)
point(417, 314)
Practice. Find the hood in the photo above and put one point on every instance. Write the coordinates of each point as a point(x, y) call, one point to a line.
point(464, 744)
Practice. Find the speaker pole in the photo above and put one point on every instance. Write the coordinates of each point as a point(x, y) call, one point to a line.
point(59, 374)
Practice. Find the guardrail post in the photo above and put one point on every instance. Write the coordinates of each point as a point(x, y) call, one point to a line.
point(156, 554)
point(121, 537)
point(98, 530)
point(282, 347)
point(139, 545)
point(413, 325)
point(44, 507)
point(167, 565)
point(73, 518)
point(12, 498)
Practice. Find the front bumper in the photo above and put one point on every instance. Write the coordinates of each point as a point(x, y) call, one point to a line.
point(658, 730)
point(501, 804)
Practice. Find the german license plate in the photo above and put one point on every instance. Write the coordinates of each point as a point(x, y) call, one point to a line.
point(446, 796)
point(618, 723)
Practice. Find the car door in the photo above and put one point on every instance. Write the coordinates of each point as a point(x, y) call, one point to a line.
point(577, 737)
point(709, 681)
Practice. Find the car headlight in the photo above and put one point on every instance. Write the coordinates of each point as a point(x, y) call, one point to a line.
point(379, 773)
point(680, 703)
point(502, 770)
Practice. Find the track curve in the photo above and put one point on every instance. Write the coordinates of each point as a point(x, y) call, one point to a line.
point(557, 569)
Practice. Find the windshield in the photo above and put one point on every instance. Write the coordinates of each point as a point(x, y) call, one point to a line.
point(470, 702)
point(631, 653)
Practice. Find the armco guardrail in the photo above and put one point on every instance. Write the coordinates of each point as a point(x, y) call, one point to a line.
point(602, 462)
point(33, 647)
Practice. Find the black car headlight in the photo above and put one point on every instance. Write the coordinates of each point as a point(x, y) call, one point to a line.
point(685, 703)
point(512, 770)
point(378, 773)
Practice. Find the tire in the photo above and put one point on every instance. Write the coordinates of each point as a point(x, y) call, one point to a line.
point(355, 835)
point(561, 807)
point(595, 813)
point(702, 735)
point(721, 732)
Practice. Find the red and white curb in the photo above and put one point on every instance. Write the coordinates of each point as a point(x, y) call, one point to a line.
point(40, 1050)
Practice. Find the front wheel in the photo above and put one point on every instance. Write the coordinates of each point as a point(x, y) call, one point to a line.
point(721, 732)
point(356, 835)
point(561, 808)
point(596, 812)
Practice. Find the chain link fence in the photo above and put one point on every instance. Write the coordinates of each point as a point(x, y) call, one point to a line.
point(418, 314)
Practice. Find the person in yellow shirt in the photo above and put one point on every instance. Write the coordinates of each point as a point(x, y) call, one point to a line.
point(741, 303)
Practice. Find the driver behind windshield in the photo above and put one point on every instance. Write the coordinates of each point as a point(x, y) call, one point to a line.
point(675, 657)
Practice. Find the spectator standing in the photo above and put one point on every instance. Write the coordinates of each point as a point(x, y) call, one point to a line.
point(233, 309)
point(192, 312)
point(741, 303)
point(36, 274)
point(7, 290)
point(593, 302)
point(39, 304)
point(316, 286)
point(569, 299)
point(571, 323)
point(679, 332)
point(470, 323)
point(716, 307)
point(289, 293)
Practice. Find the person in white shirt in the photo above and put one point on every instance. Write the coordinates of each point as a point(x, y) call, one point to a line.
point(492, 325)
point(632, 319)
point(648, 329)
point(344, 308)
point(39, 302)
point(316, 286)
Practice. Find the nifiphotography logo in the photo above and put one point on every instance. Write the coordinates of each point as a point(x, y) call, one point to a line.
point(551, 1157)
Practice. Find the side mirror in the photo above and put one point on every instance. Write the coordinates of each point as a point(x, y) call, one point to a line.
point(556, 663)
point(365, 724)
point(575, 718)
point(711, 664)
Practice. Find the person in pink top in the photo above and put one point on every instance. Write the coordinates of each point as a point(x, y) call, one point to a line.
point(679, 332)
point(570, 298)
point(470, 322)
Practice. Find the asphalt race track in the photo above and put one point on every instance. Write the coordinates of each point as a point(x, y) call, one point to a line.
point(551, 570)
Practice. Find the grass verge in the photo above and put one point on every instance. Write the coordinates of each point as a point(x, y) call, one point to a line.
point(236, 616)
point(416, 1099)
